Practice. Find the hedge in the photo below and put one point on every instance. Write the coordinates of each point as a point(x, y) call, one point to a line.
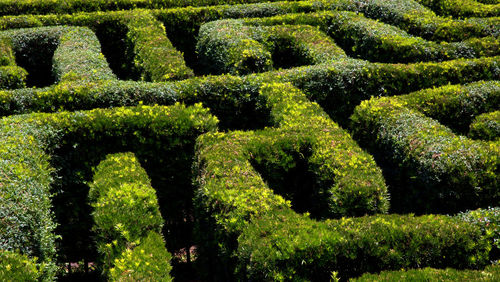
point(28, 224)
point(18, 267)
point(486, 126)
point(11, 7)
point(426, 163)
point(376, 41)
point(488, 221)
point(418, 20)
point(78, 57)
point(227, 46)
point(231, 46)
point(11, 76)
point(337, 86)
point(127, 217)
point(282, 245)
point(490, 273)
point(343, 179)
point(462, 8)
point(154, 56)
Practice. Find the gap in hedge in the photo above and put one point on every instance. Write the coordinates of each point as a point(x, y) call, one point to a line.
point(112, 36)
point(293, 180)
point(35, 56)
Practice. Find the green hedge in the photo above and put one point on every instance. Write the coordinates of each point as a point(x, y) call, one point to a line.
point(486, 126)
point(490, 273)
point(231, 46)
point(17, 267)
point(418, 20)
point(28, 222)
point(376, 41)
point(306, 149)
point(337, 86)
point(282, 245)
point(127, 217)
point(154, 56)
point(462, 8)
point(11, 76)
point(426, 163)
point(10, 7)
point(488, 220)
point(227, 46)
point(78, 57)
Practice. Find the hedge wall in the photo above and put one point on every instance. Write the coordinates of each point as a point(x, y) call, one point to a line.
point(282, 245)
point(64, 137)
point(490, 273)
point(462, 8)
point(18, 267)
point(127, 217)
point(486, 126)
point(437, 170)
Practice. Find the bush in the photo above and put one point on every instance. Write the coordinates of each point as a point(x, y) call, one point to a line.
point(28, 223)
point(486, 126)
point(462, 8)
point(17, 267)
point(488, 220)
point(154, 56)
point(490, 273)
point(282, 245)
point(435, 168)
point(127, 220)
point(227, 46)
point(341, 178)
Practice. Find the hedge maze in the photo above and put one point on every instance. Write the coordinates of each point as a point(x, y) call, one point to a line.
point(238, 140)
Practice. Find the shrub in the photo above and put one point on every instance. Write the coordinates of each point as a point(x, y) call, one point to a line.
point(28, 223)
point(282, 245)
point(344, 180)
point(154, 56)
point(434, 167)
point(17, 267)
point(486, 126)
point(490, 273)
point(127, 220)
point(488, 220)
point(462, 8)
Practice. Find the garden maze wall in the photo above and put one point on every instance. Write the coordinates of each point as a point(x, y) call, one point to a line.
point(233, 140)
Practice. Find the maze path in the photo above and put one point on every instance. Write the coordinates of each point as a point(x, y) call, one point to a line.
point(243, 199)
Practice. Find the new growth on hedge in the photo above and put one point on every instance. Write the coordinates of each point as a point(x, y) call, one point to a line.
point(439, 170)
point(128, 221)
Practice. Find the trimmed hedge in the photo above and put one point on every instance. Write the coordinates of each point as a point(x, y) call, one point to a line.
point(418, 20)
point(10, 7)
point(11, 76)
point(18, 267)
point(127, 217)
point(154, 56)
point(462, 8)
point(341, 178)
point(78, 57)
point(426, 163)
point(227, 46)
point(486, 126)
point(28, 223)
point(488, 220)
point(282, 245)
point(490, 273)
point(376, 41)
point(337, 86)
point(231, 46)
